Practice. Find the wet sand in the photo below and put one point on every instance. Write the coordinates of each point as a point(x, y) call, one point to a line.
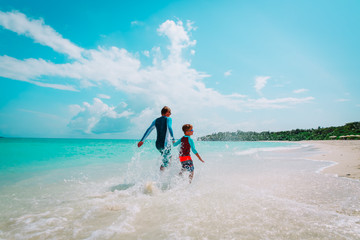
point(345, 153)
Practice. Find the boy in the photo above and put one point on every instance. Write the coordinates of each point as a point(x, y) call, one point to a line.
point(186, 144)
point(165, 134)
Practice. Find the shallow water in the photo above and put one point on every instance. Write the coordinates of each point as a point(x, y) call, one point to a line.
point(110, 189)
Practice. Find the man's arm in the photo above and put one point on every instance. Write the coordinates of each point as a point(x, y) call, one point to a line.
point(169, 123)
point(147, 133)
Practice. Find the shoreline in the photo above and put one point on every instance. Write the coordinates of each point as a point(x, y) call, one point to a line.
point(344, 153)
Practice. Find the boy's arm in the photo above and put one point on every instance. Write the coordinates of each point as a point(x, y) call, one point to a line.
point(199, 157)
point(177, 143)
point(146, 134)
point(192, 145)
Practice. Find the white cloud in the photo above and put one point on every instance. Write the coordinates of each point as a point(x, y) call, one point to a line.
point(279, 103)
point(30, 70)
point(342, 100)
point(104, 96)
point(41, 33)
point(170, 80)
point(100, 118)
point(301, 90)
point(146, 53)
point(227, 73)
point(137, 23)
point(190, 26)
point(178, 37)
point(260, 82)
point(75, 109)
point(236, 95)
point(55, 86)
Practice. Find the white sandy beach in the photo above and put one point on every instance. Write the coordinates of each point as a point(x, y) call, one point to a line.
point(346, 153)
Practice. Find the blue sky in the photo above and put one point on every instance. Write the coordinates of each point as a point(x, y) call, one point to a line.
point(104, 69)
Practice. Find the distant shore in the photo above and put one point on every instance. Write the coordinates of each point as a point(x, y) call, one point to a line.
point(346, 153)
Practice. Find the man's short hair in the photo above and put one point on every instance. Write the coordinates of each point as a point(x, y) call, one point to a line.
point(187, 127)
point(165, 110)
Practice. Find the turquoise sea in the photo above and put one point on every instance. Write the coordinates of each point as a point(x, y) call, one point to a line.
point(111, 189)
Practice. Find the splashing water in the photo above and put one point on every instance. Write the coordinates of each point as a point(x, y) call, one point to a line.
point(110, 189)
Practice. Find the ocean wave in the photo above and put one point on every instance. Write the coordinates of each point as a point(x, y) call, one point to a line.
point(252, 151)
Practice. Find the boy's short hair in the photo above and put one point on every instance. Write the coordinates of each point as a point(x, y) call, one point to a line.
point(165, 110)
point(187, 127)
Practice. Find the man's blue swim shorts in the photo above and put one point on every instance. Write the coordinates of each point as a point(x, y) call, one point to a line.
point(166, 156)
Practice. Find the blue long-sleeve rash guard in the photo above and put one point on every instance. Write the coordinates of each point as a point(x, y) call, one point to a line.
point(164, 130)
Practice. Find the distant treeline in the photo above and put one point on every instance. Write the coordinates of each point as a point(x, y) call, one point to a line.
point(348, 131)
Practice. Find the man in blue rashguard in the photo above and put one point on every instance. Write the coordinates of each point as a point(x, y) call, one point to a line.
point(164, 137)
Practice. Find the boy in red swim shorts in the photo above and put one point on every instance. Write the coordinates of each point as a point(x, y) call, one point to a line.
point(187, 144)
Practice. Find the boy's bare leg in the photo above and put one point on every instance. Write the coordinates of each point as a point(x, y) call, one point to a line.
point(191, 175)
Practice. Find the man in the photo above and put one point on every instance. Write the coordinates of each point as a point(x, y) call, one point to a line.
point(164, 137)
